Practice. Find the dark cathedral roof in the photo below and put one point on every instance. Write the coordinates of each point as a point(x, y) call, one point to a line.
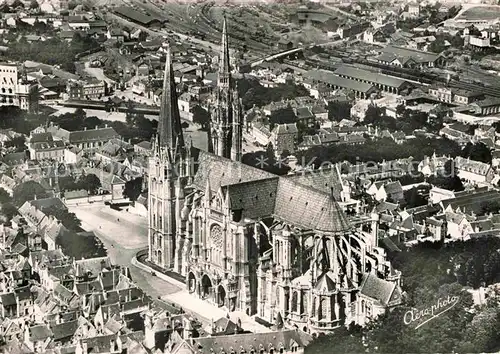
point(259, 194)
point(219, 171)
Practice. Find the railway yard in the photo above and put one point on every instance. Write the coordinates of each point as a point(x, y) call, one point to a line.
point(255, 31)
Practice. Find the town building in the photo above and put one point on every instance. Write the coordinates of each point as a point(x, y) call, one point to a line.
point(351, 30)
point(16, 89)
point(474, 171)
point(284, 138)
point(361, 90)
point(452, 95)
point(234, 231)
point(88, 90)
point(87, 139)
point(383, 82)
point(49, 150)
point(409, 58)
point(488, 106)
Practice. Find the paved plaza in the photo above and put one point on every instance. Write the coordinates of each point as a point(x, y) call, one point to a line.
point(124, 238)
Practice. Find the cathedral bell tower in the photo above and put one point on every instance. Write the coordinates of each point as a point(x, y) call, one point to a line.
point(167, 170)
point(226, 117)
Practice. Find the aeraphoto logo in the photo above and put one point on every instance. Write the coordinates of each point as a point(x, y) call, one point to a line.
point(419, 317)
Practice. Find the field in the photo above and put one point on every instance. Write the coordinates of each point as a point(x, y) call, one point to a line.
point(481, 13)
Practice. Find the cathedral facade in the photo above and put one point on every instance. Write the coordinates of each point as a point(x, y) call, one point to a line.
point(279, 247)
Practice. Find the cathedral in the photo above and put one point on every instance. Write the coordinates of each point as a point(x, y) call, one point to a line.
point(279, 247)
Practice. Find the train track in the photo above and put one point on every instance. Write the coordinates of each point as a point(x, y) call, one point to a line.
point(414, 75)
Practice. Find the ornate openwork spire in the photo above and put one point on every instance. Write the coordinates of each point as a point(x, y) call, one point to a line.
point(224, 70)
point(169, 123)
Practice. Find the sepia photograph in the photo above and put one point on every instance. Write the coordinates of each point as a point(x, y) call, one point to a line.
point(249, 176)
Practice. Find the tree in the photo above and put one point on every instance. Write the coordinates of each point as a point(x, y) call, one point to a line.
point(91, 122)
point(34, 5)
point(481, 334)
point(346, 341)
point(67, 183)
point(282, 116)
point(448, 179)
point(133, 189)
point(7, 209)
point(414, 198)
point(339, 110)
point(457, 41)
point(17, 3)
point(81, 245)
point(438, 46)
point(18, 143)
point(477, 152)
point(378, 150)
point(253, 93)
point(68, 219)
point(201, 117)
point(27, 191)
point(400, 109)
point(90, 183)
point(453, 11)
point(490, 207)
point(372, 114)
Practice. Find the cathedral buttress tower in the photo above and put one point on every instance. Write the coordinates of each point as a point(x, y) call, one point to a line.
point(226, 119)
point(167, 168)
point(237, 138)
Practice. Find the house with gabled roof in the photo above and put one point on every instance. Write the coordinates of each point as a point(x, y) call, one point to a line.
point(458, 226)
point(376, 295)
point(474, 171)
point(390, 191)
point(38, 337)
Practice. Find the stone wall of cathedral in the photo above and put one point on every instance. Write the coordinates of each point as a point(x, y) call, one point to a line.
point(218, 267)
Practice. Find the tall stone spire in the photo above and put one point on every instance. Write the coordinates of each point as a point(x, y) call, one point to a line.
point(167, 176)
point(224, 70)
point(221, 125)
point(169, 122)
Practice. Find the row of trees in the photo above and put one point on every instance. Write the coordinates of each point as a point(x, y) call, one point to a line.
point(378, 151)
point(136, 128)
point(408, 120)
point(90, 183)
point(53, 51)
point(253, 93)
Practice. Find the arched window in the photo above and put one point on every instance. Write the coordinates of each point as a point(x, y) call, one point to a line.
point(324, 308)
point(295, 296)
point(304, 303)
point(313, 313)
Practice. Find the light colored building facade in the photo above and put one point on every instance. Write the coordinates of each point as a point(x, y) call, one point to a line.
point(16, 90)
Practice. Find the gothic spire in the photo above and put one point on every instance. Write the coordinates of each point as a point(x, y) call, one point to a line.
point(224, 71)
point(169, 122)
